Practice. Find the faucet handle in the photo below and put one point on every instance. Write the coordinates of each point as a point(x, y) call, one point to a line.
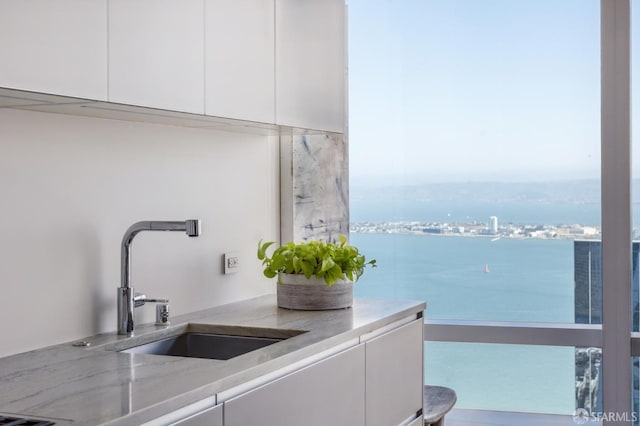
point(139, 299)
point(162, 307)
point(193, 227)
point(162, 313)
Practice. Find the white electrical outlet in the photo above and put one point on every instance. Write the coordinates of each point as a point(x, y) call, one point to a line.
point(231, 262)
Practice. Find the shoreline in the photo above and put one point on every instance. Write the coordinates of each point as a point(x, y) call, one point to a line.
point(496, 237)
point(479, 230)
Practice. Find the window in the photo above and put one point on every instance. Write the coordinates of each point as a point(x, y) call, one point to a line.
point(475, 152)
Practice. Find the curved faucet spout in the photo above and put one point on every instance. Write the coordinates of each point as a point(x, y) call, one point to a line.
point(125, 292)
point(190, 227)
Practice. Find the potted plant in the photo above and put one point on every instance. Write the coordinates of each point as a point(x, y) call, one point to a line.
point(314, 275)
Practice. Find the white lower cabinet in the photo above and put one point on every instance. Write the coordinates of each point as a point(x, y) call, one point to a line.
point(375, 383)
point(394, 375)
point(208, 417)
point(329, 392)
point(416, 422)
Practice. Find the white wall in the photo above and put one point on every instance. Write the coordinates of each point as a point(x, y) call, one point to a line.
point(71, 186)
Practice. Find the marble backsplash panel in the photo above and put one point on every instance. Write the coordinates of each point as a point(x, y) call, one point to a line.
point(320, 183)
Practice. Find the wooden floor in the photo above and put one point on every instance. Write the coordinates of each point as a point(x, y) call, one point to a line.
point(460, 417)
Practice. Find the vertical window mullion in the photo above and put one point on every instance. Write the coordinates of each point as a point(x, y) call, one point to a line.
point(616, 207)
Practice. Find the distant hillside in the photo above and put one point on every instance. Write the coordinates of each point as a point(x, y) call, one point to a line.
point(552, 192)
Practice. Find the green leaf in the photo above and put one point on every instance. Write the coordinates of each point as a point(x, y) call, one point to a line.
point(307, 268)
point(262, 249)
point(327, 263)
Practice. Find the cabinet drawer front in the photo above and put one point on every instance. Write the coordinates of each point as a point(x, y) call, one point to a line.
point(329, 392)
point(394, 375)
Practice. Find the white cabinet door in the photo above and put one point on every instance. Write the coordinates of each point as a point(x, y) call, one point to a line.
point(156, 53)
point(239, 55)
point(310, 64)
point(394, 375)
point(55, 47)
point(209, 417)
point(330, 392)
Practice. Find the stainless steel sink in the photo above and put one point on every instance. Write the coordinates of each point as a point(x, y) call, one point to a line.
point(203, 345)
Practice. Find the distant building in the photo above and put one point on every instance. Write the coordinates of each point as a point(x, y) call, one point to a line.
point(588, 310)
point(493, 225)
point(587, 271)
point(432, 230)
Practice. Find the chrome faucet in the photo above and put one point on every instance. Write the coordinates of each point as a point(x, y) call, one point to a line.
point(128, 300)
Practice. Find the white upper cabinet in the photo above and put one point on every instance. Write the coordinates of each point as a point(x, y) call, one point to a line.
point(55, 47)
point(270, 61)
point(239, 57)
point(156, 54)
point(311, 64)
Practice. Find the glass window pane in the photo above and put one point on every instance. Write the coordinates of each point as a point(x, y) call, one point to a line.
point(448, 274)
point(521, 378)
point(475, 155)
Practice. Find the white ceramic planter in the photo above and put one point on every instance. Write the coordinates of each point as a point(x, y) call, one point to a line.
point(298, 292)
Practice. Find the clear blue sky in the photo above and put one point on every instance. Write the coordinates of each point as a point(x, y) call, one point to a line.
point(461, 90)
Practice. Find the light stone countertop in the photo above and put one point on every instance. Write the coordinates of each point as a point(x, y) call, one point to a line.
point(99, 386)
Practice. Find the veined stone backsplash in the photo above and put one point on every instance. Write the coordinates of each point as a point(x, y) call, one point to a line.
point(320, 187)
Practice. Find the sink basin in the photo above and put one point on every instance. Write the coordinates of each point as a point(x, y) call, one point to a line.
point(203, 345)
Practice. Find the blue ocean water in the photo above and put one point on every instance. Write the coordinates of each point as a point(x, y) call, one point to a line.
point(528, 280)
